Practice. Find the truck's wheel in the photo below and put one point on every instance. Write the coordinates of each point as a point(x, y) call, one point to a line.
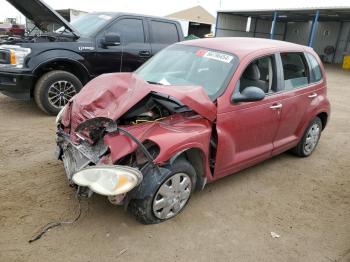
point(170, 198)
point(310, 139)
point(54, 89)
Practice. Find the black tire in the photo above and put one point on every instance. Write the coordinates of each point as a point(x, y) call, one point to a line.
point(300, 150)
point(42, 87)
point(142, 209)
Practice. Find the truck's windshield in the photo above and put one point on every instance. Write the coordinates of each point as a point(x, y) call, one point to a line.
point(189, 65)
point(88, 24)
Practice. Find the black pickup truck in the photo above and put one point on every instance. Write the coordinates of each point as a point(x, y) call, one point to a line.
point(52, 66)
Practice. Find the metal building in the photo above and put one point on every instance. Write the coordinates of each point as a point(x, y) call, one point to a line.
point(194, 21)
point(327, 30)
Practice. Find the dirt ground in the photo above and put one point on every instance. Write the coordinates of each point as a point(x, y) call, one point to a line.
point(305, 201)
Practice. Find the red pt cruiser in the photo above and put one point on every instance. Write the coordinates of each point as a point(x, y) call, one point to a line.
point(196, 112)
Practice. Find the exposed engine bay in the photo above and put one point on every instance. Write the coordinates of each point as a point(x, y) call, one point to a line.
point(153, 107)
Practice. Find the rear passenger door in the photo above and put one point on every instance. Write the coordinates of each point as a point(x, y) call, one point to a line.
point(298, 96)
point(162, 34)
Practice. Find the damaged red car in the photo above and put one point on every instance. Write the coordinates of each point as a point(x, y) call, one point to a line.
point(196, 112)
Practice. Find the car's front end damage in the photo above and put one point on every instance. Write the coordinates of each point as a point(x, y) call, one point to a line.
point(119, 135)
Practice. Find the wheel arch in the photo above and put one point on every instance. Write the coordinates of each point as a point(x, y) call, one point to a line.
point(324, 118)
point(69, 65)
point(196, 157)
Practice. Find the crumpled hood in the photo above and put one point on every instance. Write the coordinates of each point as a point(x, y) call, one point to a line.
point(112, 95)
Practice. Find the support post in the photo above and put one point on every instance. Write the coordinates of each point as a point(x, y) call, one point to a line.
point(255, 25)
point(273, 25)
point(313, 28)
point(285, 31)
point(216, 23)
point(337, 43)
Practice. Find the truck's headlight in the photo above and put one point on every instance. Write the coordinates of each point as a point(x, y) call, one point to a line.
point(17, 54)
point(108, 180)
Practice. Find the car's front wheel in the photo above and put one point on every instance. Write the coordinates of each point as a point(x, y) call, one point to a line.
point(310, 138)
point(170, 198)
point(54, 89)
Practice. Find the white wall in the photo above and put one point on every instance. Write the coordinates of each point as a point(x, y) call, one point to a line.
point(233, 25)
point(297, 32)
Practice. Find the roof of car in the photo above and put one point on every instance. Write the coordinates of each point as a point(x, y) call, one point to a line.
point(242, 46)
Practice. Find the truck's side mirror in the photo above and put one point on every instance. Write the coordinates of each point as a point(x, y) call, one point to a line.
point(249, 94)
point(110, 39)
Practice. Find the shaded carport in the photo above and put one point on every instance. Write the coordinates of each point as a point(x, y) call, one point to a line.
point(327, 30)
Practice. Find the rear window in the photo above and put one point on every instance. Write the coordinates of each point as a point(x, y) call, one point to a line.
point(295, 70)
point(164, 32)
point(316, 73)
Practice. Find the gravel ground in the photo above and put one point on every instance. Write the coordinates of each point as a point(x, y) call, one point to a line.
point(305, 201)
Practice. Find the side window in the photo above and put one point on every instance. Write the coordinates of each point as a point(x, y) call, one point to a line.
point(164, 32)
point(260, 73)
point(315, 68)
point(295, 70)
point(130, 30)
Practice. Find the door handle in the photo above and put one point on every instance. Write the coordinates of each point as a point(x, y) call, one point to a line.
point(313, 95)
point(144, 53)
point(276, 106)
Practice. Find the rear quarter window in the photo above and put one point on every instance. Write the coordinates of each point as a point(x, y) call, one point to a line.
point(295, 70)
point(164, 32)
point(316, 73)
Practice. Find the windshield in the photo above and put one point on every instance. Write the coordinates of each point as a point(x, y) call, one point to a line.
point(190, 65)
point(88, 24)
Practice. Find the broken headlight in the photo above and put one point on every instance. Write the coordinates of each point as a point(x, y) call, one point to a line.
point(108, 180)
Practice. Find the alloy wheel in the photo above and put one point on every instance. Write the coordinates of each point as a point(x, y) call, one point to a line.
point(60, 92)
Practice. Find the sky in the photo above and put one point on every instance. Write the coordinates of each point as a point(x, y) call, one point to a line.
point(164, 7)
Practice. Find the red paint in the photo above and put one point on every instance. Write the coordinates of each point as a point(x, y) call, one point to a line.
point(112, 95)
point(247, 132)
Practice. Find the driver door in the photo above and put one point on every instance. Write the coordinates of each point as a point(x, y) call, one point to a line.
point(132, 52)
point(246, 130)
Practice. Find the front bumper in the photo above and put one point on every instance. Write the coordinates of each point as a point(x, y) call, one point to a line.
point(16, 84)
point(77, 157)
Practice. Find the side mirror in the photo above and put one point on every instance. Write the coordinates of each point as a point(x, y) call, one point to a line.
point(111, 39)
point(249, 94)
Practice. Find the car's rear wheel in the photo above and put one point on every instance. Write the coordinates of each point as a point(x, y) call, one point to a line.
point(310, 139)
point(54, 89)
point(170, 198)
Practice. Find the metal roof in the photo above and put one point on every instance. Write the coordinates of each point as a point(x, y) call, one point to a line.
point(336, 13)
